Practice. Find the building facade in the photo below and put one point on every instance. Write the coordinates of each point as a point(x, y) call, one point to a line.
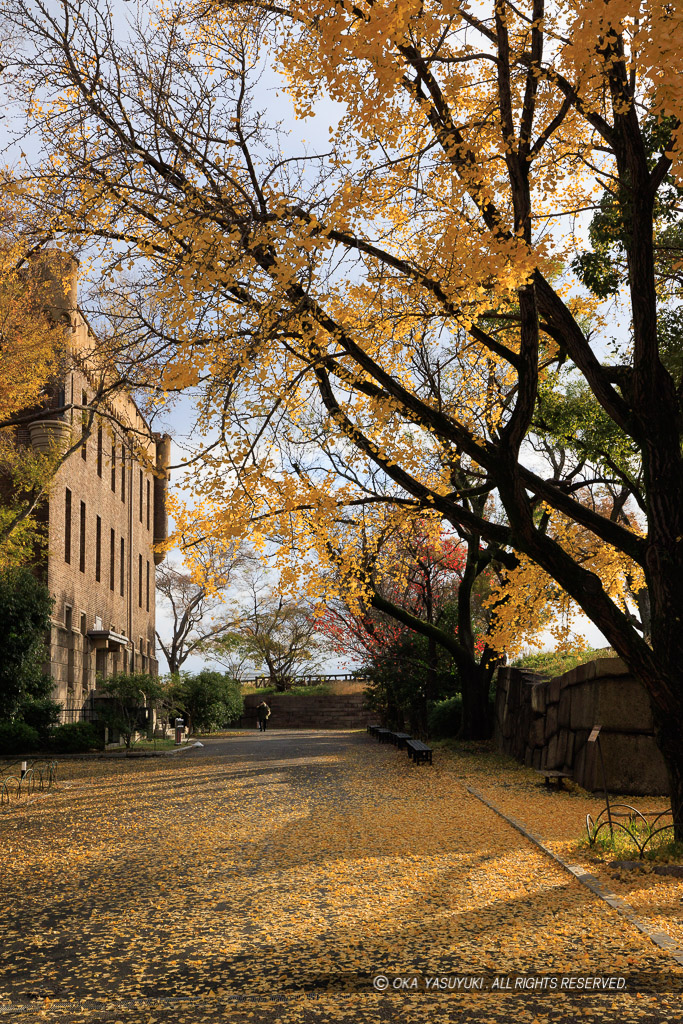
point(105, 512)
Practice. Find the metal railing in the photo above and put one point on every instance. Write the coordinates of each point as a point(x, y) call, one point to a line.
point(639, 830)
point(17, 781)
point(312, 679)
point(77, 711)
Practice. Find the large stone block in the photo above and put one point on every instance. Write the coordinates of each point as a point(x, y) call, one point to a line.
point(539, 698)
point(633, 764)
point(551, 721)
point(614, 703)
point(537, 733)
point(564, 708)
point(551, 753)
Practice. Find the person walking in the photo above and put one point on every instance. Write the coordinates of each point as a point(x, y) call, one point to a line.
point(263, 713)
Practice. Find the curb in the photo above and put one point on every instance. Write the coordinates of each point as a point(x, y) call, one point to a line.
point(659, 938)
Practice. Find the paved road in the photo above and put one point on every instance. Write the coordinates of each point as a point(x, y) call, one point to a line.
point(269, 878)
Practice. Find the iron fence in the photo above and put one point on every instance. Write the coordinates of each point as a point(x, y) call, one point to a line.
point(311, 679)
point(77, 711)
point(17, 781)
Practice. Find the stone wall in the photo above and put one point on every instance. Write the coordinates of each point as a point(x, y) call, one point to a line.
point(546, 723)
point(342, 711)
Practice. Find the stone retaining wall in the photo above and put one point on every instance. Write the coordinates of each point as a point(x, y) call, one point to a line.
point(342, 711)
point(546, 722)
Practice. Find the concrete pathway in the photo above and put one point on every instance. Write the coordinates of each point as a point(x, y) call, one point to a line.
point(302, 876)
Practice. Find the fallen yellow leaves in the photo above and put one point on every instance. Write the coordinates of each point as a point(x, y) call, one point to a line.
point(236, 882)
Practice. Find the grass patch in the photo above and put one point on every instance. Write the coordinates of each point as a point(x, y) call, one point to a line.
point(166, 744)
point(656, 844)
point(555, 663)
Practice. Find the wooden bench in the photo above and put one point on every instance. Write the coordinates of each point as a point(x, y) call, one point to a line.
point(383, 735)
point(551, 773)
point(399, 739)
point(372, 729)
point(419, 751)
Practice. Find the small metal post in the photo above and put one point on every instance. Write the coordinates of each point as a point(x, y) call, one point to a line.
point(23, 768)
point(595, 738)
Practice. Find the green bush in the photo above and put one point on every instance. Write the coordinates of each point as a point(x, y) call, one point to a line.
point(42, 715)
point(555, 663)
point(18, 738)
point(445, 718)
point(75, 738)
point(210, 700)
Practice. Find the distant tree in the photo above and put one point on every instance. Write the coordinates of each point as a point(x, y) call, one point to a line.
point(193, 595)
point(272, 633)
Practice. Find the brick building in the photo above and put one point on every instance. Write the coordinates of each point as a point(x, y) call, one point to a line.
point(105, 512)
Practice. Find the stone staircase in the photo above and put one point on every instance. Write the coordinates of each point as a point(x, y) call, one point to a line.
point(339, 711)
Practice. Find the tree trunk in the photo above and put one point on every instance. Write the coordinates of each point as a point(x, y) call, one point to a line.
point(476, 718)
point(668, 737)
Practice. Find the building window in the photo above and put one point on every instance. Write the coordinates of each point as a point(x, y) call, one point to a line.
point(113, 466)
point(140, 581)
point(147, 586)
point(140, 495)
point(123, 473)
point(98, 549)
point(143, 660)
point(99, 451)
point(68, 622)
point(112, 559)
point(67, 526)
point(148, 489)
point(123, 565)
point(84, 425)
point(82, 539)
point(85, 656)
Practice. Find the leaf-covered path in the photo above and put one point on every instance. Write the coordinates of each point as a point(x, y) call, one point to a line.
point(271, 878)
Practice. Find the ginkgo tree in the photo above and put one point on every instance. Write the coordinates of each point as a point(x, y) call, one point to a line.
point(395, 299)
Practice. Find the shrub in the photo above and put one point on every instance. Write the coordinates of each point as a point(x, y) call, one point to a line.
point(445, 718)
point(42, 715)
point(555, 663)
point(75, 738)
point(17, 738)
point(130, 695)
point(211, 700)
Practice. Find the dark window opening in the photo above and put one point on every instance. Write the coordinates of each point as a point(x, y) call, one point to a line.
point(82, 539)
point(148, 489)
point(99, 451)
point(112, 559)
point(98, 549)
point(140, 495)
point(147, 584)
point(84, 425)
point(113, 466)
point(140, 581)
point(123, 473)
point(67, 526)
point(123, 566)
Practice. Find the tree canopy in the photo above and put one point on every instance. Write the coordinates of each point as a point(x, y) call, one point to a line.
point(375, 320)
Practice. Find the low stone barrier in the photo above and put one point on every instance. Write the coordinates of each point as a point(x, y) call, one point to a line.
point(546, 723)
